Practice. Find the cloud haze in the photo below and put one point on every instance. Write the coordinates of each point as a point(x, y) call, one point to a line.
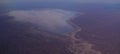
point(48, 19)
point(81, 1)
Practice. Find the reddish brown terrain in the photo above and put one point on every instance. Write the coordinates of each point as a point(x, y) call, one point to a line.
point(102, 29)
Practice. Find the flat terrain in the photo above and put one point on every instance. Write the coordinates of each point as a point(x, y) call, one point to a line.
point(101, 27)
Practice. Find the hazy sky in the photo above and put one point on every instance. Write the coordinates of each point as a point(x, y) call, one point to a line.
point(81, 1)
